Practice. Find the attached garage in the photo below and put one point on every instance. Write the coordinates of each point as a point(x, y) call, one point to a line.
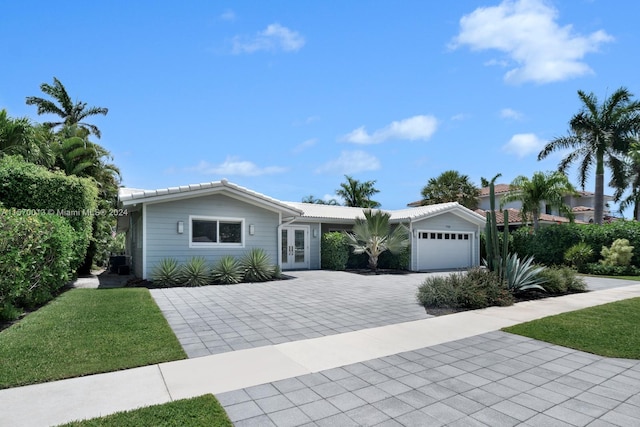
point(445, 250)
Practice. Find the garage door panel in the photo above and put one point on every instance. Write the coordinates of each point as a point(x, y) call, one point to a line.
point(444, 250)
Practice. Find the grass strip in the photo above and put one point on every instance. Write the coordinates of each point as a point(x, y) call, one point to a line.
point(86, 331)
point(203, 411)
point(610, 330)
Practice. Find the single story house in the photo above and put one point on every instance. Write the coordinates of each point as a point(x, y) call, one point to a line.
point(221, 218)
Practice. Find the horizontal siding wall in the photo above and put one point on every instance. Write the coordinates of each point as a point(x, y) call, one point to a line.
point(163, 240)
point(446, 222)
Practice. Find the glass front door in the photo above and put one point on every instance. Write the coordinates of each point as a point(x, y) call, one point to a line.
point(294, 249)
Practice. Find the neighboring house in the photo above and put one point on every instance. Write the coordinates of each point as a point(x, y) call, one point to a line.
point(220, 218)
point(582, 206)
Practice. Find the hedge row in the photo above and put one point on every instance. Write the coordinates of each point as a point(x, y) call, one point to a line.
point(36, 252)
point(549, 244)
point(32, 189)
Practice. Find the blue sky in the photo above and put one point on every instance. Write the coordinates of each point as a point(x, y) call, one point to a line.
point(286, 97)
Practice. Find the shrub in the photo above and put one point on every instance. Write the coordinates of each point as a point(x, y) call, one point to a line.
point(33, 188)
point(547, 245)
point(573, 282)
point(256, 266)
point(437, 291)
point(600, 269)
point(619, 254)
point(578, 255)
point(554, 281)
point(227, 271)
point(477, 288)
point(36, 252)
point(398, 261)
point(195, 272)
point(167, 273)
point(522, 275)
point(335, 251)
point(277, 272)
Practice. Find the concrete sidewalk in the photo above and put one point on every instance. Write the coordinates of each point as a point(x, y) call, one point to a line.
point(62, 401)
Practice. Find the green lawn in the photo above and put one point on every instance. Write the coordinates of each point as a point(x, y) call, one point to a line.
point(202, 411)
point(86, 331)
point(611, 330)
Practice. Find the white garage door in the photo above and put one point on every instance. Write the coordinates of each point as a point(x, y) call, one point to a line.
point(444, 250)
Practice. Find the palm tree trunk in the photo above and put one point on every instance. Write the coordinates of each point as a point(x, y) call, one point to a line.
point(598, 205)
point(536, 219)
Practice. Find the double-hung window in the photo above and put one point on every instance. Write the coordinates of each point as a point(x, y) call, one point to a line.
point(214, 231)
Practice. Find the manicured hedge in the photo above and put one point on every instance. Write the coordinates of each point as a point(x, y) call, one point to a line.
point(549, 244)
point(36, 252)
point(32, 189)
point(335, 251)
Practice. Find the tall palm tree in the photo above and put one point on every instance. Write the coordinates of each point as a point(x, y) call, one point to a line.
point(373, 235)
point(633, 181)
point(600, 136)
point(451, 186)
point(62, 106)
point(358, 194)
point(542, 187)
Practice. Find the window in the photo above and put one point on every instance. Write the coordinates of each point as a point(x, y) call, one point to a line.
point(207, 232)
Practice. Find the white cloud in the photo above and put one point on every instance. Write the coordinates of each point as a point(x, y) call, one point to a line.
point(228, 15)
point(523, 144)
point(304, 145)
point(413, 128)
point(233, 166)
point(459, 117)
point(509, 113)
point(274, 38)
point(527, 32)
point(350, 162)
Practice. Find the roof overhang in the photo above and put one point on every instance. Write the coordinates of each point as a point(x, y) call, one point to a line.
point(129, 197)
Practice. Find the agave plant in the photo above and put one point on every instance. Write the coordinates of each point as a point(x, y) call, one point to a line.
point(195, 272)
point(256, 266)
point(167, 273)
point(227, 271)
point(522, 275)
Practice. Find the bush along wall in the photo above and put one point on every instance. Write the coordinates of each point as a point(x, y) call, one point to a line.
point(549, 244)
point(335, 251)
point(31, 189)
point(36, 252)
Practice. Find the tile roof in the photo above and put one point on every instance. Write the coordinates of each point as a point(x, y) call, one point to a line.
point(516, 218)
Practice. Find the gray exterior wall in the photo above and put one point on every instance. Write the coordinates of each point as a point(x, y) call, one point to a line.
point(445, 222)
point(163, 240)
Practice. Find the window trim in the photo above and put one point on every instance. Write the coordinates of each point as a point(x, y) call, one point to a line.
point(217, 219)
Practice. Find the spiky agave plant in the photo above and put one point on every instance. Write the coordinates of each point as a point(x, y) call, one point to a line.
point(256, 266)
point(167, 273)
point(196, 273)
point(226, 271)
point(522, 275)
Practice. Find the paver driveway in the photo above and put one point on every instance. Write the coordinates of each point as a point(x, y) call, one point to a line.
point(217, 319)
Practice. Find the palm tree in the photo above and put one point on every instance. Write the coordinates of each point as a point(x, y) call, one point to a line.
point(21, 137)
point(312, 199)
point(451, 186)
point(633, 181)
point(70, 113)
point(600, 135)
point(358, 194)
point(373, 235)
point(542, 187)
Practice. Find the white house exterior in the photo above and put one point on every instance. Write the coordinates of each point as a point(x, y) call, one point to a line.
point(220, 218)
